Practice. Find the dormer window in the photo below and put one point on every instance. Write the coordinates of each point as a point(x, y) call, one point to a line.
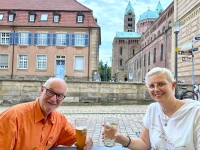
point(11, 15)
point(80, 17)
point(56, 16)
point(32, 16)
point(44, 17)
point(1, 16)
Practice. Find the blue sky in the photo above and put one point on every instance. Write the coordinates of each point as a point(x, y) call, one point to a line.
point(110, 17)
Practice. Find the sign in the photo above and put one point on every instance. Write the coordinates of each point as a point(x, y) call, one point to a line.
point(187, 59)
point(197, 38)
point(186, 46)
point(130, 75)
point(194, 49)
point(185, 52)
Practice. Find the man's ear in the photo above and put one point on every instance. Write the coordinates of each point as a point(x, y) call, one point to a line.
point(41, 90)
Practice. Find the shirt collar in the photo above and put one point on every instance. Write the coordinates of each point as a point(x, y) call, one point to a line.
point(39, 115)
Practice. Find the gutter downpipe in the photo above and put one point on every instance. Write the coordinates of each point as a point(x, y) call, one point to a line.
point(89, 55)
point(13, 52)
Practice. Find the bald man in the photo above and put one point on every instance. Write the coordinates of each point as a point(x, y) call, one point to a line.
point(37, 125)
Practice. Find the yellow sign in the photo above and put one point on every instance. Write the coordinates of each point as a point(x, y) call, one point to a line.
point(176, 49)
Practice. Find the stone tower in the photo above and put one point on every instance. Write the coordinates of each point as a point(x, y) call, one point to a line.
point(129, 19)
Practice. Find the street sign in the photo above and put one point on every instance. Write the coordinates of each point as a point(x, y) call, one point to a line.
point(187, 59)
point(197, 38)
point(194, 49)
point(185, 52)
point(186, 46)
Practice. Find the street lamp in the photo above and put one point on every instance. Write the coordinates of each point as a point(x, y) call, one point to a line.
point(176, 26)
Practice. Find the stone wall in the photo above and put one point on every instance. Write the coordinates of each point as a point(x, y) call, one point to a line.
point(13, 92)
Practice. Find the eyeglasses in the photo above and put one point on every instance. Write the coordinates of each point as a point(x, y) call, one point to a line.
point(51, 93)
point(159, 85)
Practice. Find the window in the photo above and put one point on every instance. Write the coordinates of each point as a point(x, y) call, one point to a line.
point(154, 55)
point(120, 51)
point(80, 17)
point(120, 62)
point(149, 59)
point(44, 17)
point(79, 63)
point(161, 52)
point(3, 61)
point(56, 16)
point(144, 60)
point(41, 39)
point(133, 52)
point(80, 39)
point(129, 19)
point(61, 39)
point(11, 15)
point(41, 62)
point(1, 16)
point(23, 38)
point(4, 38)
point(129, 25)
point(129, 13)
point(32, 16)
point(23, 62)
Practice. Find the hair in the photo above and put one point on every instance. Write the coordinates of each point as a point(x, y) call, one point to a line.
point(165, 71)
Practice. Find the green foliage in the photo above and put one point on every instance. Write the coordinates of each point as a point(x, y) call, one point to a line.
point(103, 69)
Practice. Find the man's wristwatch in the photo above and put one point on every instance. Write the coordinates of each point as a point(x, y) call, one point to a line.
point(129, 142)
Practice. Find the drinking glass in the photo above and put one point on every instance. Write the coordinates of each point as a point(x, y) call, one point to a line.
point(81, 132)
point(110, 129)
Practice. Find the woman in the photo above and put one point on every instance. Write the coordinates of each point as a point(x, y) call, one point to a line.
point(169, 123)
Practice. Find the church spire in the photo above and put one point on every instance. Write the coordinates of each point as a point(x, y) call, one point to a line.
point(129, 8)
point(159, 8)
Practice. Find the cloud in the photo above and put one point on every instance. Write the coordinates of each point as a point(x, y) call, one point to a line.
point(110, 17)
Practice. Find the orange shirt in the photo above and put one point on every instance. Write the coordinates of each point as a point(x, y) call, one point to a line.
point(23, 127)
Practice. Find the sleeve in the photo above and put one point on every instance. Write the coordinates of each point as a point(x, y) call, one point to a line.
point(7, 130)
point(146, 121)
point(197, 131)
point(67, 135)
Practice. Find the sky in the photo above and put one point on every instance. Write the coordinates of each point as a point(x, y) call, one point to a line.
point(110, 17)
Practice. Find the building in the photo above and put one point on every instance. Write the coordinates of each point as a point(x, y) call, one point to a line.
point(154, 43)
point(40, 39)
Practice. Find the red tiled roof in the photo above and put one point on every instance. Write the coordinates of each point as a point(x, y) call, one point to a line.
point(64, 5)
point(68, 16)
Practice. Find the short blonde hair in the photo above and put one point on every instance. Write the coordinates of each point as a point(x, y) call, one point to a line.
point(165, 71)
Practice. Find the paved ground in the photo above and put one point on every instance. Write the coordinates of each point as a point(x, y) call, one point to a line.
point(130, 118)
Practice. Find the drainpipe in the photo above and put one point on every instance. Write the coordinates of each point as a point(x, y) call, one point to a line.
point(13, 52)
point(165, 47)
point(89, 54)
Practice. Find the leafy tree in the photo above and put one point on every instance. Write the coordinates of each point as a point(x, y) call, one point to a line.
point(103, 69)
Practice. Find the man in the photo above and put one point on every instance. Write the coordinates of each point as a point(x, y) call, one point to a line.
point(37, 125)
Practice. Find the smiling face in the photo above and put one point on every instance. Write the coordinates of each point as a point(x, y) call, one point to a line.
point(160, 88)
point(50, 103)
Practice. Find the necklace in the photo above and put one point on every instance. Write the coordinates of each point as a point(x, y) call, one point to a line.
point(166, 120)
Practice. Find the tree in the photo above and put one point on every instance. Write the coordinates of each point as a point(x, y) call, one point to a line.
point(104, 71)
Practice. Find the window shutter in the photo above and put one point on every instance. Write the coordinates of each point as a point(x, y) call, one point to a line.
point(30, 38)
point(48, 38)
point(73, 39)
point(35, 38)
point(11, 38)
point(67, 39)
point(54, 39)
point(86, 39)
point(16, 38)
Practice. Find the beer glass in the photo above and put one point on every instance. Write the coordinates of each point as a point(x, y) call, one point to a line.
point(81, 132)
point(110, 129)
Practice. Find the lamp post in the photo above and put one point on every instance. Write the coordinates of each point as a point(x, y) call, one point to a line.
point(176, 26)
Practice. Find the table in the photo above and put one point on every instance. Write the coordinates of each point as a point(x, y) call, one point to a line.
point(94, 148)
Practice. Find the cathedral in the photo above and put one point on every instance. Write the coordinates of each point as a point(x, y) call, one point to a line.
point(134, 53)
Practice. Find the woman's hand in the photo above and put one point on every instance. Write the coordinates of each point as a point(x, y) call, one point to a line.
point(88, 144)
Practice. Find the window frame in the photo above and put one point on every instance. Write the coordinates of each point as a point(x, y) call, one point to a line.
point(42, 62)
point(24, 62)
point(62, 39)
point(83, 63)
point(1, 16)
point(1, 62)
point(6, 38)
point(42, 19)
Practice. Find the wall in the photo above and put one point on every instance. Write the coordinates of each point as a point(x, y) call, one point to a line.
point(14, 92)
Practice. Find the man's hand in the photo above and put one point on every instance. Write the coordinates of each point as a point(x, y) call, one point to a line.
point(88, 144)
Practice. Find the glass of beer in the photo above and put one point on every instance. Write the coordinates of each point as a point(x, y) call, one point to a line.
point(81, 132)
point(110, 129)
